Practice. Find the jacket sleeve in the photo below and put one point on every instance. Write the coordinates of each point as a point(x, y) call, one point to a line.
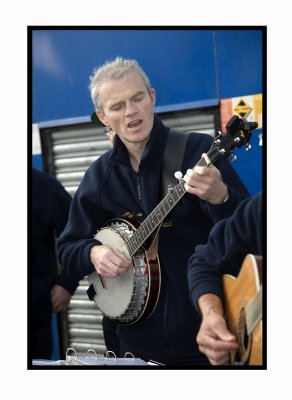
point(77, 239)
point(230, 240)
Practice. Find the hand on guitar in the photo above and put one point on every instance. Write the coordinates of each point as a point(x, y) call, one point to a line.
point(214, 339)
point(109, 262)
point(206, 183)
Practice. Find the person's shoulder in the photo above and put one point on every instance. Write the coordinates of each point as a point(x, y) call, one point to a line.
point(258, 197)
point(95, 174)
point(100, 164)
point(249, 209)
point(253, 201)
point(43, 178)
point(48, 185)
point(38, 174)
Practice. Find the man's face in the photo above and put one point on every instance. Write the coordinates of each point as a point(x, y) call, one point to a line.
point(127, 108)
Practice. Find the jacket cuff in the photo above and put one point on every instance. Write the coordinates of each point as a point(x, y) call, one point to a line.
point(88, 268)
point(205, 289)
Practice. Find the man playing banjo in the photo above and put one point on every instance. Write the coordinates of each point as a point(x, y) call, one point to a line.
point(124, 185)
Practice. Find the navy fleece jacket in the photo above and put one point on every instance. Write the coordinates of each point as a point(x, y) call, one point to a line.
point(110, 188)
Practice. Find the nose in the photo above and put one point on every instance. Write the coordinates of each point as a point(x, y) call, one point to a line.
point(130, 108)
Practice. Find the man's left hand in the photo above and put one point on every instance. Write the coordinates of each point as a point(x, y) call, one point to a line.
point(206, 183)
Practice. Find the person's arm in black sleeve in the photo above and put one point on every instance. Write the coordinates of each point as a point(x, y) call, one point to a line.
point(85, 217)
point(229, 242)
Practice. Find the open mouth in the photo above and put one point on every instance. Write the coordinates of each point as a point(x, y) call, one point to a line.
point(135, 124)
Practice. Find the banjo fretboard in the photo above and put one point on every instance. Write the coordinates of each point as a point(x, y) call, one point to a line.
point(164, 207)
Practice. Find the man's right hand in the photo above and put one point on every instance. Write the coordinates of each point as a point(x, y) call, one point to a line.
point(214, 338)
point(109, 262)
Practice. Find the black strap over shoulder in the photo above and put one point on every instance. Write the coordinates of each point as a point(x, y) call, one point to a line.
point(173, 158)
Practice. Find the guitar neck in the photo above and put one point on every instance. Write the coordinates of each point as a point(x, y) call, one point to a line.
point(155, 218)
point(253, 312)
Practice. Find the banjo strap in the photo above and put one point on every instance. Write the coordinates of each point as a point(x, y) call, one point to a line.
point(172, 162)
point(173, 157)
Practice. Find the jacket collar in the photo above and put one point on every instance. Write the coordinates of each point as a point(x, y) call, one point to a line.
point(153, 149)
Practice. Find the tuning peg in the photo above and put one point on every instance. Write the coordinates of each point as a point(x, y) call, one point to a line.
point(178, 175)
point(247, 147)
point(217, 139)
point(233, 157)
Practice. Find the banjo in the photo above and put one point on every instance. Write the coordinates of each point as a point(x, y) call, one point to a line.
point(132, 296)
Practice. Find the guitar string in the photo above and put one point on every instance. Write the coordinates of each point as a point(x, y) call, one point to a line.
point(241, 323)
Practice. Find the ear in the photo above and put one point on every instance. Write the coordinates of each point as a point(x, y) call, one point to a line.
point(102, 118)
point(153, 96)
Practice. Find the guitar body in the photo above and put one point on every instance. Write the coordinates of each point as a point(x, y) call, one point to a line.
point(133, 295)
point(239, 294)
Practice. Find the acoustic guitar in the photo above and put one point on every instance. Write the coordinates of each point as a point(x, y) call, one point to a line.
point(133, 295)
point(243, 311)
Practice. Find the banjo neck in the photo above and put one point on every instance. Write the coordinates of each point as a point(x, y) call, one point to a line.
point(155, 218)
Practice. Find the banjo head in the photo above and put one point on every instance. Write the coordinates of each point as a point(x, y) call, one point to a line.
point(130, 296)
point(113, 295)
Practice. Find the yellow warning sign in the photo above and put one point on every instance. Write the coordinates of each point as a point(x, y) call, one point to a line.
point(258, 109)
point(243, 109)
point(248, 107)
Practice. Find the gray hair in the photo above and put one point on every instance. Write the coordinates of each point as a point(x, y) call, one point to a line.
point(114, 70)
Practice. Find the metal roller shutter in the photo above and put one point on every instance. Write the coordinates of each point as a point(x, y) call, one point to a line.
point(68, 151)
point(74, 149)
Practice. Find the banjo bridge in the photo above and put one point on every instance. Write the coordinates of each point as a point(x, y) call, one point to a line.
point(103, 282)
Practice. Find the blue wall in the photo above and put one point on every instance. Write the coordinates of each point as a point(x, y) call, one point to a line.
point(184, 65)
point(240, 63)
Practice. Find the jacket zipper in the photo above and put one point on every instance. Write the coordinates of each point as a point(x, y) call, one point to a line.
point(139, 188)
